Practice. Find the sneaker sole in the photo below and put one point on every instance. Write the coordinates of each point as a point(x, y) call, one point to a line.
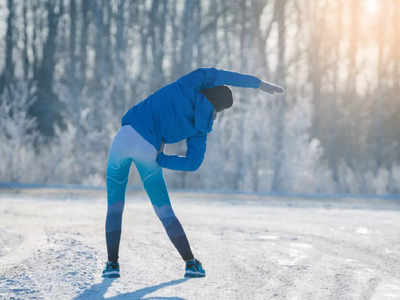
point(194, 275)
point(111, 275)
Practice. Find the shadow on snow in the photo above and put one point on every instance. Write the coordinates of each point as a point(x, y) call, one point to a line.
point(97, 291)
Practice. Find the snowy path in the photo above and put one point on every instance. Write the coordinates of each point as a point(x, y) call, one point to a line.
point(52, 247)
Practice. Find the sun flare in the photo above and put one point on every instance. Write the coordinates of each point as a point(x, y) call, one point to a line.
point(372, 6)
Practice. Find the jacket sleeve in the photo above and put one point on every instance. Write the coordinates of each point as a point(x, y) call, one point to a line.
point(203, 78)
point(196, 147)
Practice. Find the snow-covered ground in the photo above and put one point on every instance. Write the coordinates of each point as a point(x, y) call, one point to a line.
point(252, 247)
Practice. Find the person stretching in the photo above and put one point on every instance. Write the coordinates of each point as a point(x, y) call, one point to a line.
point(182, 110)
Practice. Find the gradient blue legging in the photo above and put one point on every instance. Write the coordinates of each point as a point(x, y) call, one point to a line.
point(128, 146)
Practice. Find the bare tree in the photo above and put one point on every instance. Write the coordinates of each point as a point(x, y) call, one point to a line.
point(8, 71)
point(47, 107)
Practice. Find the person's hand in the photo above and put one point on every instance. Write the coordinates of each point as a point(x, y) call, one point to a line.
point(271, 88)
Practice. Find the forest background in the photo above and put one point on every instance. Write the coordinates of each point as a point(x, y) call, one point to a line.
point(71, 68)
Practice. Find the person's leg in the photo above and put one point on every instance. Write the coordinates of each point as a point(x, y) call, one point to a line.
point(154, 184)
point(117, 179)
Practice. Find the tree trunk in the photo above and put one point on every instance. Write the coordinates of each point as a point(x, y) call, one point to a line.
point(8, 72)
point(280, 7)
point(26, 44)
point(84, 43)
point(353, 49)
point(47, 108)
point(158, 16)
point(72, 40)
point(396, 46)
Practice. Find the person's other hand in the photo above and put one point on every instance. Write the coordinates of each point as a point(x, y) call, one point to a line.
point(271, 88)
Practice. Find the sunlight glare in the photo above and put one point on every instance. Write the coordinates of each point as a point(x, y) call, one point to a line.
point(372, 6)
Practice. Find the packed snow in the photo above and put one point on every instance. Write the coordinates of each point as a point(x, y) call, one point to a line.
point(52, 246)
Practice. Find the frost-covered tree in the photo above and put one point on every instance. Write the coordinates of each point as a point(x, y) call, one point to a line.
point(303, 167)
point(88, 62)
point(18, 135)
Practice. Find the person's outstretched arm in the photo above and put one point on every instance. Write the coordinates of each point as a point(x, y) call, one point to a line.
point(204, 78)
point(196, 147)
point(236, 79)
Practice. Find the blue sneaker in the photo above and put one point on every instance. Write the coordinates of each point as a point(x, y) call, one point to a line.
point(194, 269)
point(111, 270)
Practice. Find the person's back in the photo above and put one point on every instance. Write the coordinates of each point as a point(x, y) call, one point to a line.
point(179, 110)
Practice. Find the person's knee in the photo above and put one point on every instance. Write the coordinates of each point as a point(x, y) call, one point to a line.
point(115, 208)
point(151, 176)
point(118, 171)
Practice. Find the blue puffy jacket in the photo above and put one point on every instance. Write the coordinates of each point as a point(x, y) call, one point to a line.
point(179, 111)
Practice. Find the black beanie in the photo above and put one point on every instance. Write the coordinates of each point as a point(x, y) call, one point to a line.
point(220, 97)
